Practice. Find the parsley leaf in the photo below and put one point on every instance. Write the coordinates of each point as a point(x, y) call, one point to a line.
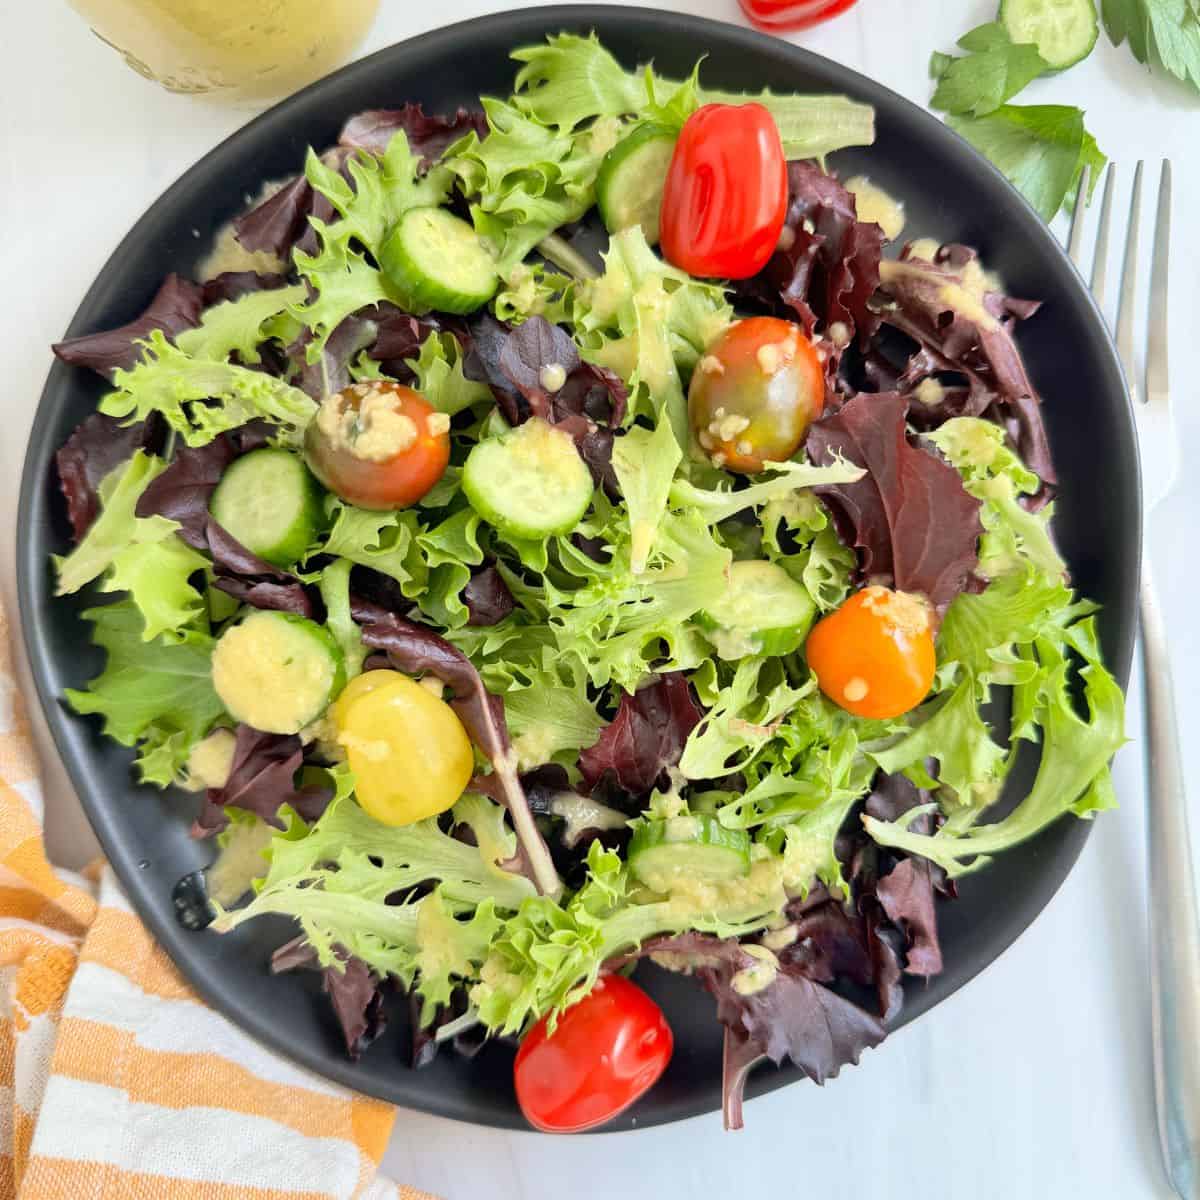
point(995, 69)
point(1040, 148)
point(1160, 33)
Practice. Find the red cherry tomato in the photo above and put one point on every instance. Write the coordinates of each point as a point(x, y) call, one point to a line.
point(378, 445)
point(607, 1051)
point(791, 15)
point(726, 193)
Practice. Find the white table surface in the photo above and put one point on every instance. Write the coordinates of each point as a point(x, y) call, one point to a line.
point(1034, 1080)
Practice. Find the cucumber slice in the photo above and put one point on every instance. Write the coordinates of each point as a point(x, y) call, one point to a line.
point(1064, 31)
point(276, 671)
point(697, 848)
point(270, 502)
point(438, 260)
point(529, 482)
point(763, 611)
point(629, 186)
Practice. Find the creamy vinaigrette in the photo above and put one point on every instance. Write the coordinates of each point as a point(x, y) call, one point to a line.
point(244, 50)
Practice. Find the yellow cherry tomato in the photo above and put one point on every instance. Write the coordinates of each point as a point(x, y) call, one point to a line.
point(410, 754)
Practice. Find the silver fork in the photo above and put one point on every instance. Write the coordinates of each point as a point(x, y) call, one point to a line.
point(1174, 928)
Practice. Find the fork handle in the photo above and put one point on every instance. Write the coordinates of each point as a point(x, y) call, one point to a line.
point(1174, 926)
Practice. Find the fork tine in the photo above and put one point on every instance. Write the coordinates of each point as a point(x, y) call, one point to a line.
point(1156, 342)
point(1129, 288)
point(1075, 237)
point(1100, 262)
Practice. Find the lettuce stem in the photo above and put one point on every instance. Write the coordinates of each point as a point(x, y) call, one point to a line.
point(564, 256)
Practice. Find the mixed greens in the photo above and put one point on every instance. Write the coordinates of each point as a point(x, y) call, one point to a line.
point(595, 611)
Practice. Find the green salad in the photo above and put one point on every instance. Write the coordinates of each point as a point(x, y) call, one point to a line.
point(522, 593)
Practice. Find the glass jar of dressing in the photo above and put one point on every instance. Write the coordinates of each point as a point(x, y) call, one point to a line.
point(242, 50)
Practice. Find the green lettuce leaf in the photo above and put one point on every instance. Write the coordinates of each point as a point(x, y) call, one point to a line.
point(548, 710)
point(157, 577)
point(342, 278)
point(527, 179)
point(534, 290)
point(192, 383)
point(1073, 775)
point(648, 321)
point(238, 326)
point(991, 472)
point(241, 856)
point(494, 837)
point(618, 621)
point(802, 787)
point(450, 549)
point(810, 842)
point(200, 398)
point(573, 79)
point(722, 502)
point(451, 947)
point(116, 527)
point(139, 555)
point(384, 188)
point(384, 541)
point(160, 690)
point(645, 463)
point(813, 757)
point(336, 880)
point(982, 631)
point(742, 720)
point(797, 534)
point(161, 755)
point(346, 838)
point(440, 378)
point(335, 594)
point(443, 492)
point(951, 730)
point(342, 282)
point(549, 955)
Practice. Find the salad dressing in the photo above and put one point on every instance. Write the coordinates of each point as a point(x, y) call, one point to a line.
point(239, 862)
point(232, 49)
point(930, 391)
point(228, 254)
point(210, 761)
point(875, 204)
point(582, 813)
point(758, 975)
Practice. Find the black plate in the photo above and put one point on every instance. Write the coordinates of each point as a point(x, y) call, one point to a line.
point(949, 191)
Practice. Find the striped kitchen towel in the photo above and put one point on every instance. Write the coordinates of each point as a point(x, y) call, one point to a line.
point(116, 1082)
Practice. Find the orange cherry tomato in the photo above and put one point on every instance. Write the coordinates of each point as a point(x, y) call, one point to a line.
point(726, 192)
point(874, 655)
point(378, 445)
point(754, 394)
point(606, 1052)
